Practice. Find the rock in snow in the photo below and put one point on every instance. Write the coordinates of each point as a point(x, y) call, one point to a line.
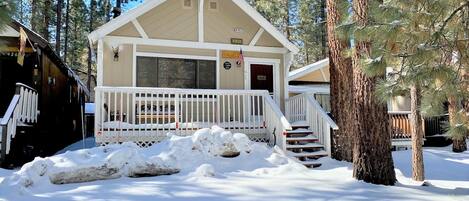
point(129, 160)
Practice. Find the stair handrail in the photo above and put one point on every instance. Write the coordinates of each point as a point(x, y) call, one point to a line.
point(275, 121)
point(22, 108)
point(320, 122)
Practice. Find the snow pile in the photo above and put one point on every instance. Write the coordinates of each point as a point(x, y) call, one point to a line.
point(195, 155)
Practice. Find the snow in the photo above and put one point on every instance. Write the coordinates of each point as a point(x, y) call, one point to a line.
point(257, 173)
point(82, 144)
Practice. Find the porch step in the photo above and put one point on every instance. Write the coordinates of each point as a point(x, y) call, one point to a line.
point(300, 131)
point(302, 146)
point(308, 154)
point(311, 164)
point(305, 138)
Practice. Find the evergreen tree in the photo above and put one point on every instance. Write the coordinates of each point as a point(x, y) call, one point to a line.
point(341, 82)
point(7, 8)
point(422, 42)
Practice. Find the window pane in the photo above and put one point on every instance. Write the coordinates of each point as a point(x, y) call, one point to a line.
point(147, 72)
point(207, 75)
point(176, 73)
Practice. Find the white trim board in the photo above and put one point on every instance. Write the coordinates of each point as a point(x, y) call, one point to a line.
point(265, 61)
point(139, 28)
point(191, 44)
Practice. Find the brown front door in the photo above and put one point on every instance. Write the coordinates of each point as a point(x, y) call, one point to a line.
point(262, 77)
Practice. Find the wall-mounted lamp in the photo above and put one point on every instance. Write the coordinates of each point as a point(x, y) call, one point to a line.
point(116, 50)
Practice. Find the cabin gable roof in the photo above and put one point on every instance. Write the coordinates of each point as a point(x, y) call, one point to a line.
point(307, 69)
point(133, 14)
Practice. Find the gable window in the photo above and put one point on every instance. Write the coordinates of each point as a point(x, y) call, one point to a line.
point(176, 73)
point(213, 5)
point(187, 3)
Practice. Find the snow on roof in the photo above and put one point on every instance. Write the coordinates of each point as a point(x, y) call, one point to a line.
point(150, 4)
point(307, 69)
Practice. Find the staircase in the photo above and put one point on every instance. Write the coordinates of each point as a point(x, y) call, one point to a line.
point(311, 127)
point(303, 144)
point(22, 112)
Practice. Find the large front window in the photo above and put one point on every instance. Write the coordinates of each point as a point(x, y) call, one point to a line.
point(176, 73)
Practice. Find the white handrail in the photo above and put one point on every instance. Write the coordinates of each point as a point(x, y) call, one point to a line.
point(22, 108)
point(276, 123)
point(305, 107)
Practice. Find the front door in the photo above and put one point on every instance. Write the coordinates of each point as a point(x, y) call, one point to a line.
point(262, 77)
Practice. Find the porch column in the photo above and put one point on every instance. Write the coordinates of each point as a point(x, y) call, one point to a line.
point(100, 61)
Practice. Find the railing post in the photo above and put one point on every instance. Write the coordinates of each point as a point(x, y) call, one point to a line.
point(4, 144)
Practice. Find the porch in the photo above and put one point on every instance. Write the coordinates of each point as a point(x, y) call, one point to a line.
point(146, 115)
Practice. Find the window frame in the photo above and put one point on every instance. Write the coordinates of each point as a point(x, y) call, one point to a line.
point(175, 56)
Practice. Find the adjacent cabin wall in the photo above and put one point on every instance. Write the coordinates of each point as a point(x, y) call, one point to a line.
point(118, 73)
point(316, 76)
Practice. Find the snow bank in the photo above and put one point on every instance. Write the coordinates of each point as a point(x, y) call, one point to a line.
point(194, 155)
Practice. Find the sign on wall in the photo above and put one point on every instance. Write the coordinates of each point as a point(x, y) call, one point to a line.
point(236, 41)
point(227, 65)
point(230, 54)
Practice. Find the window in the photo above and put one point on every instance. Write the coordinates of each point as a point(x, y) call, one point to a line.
point(187, 3)
point(176, 73)
point(213, 5)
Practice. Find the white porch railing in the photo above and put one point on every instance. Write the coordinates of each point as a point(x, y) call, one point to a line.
point(146, 115)
point(22, 109)
point(305, 108)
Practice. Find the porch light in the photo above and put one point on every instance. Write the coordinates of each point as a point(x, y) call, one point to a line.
point(116, 50)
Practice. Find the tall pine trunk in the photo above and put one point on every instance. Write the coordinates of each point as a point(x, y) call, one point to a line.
point(372, 159)
point(47, 16)
point(341, 86)
point(416, 130)
point(90, 29)
point(323, 29)
point(34, 14)
point(459, 145)
point(58, 26)
point(67, 23)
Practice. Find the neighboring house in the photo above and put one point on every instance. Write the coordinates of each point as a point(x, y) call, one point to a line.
point(314, 79)
point(42, 100)
point(181, 65)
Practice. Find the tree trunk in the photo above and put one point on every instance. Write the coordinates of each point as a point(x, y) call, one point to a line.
point(341, 86)
point(323, 29)
point(47, 21)
point(416, 130)
point(459, 145)
point(372, 159)
point(34, 14)
point(90, 29)
point(67, 22)
point(58, 26)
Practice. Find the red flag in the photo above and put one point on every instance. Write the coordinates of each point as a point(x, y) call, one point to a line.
point(241, 58)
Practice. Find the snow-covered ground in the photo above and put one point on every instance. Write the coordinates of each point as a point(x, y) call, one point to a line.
point(258, 173)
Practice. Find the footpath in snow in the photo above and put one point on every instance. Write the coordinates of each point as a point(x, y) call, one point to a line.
point(214, 164)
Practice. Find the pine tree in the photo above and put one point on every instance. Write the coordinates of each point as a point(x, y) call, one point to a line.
point(372, 159)
point(341, 82)
point(422, 41)
point(7, 8)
